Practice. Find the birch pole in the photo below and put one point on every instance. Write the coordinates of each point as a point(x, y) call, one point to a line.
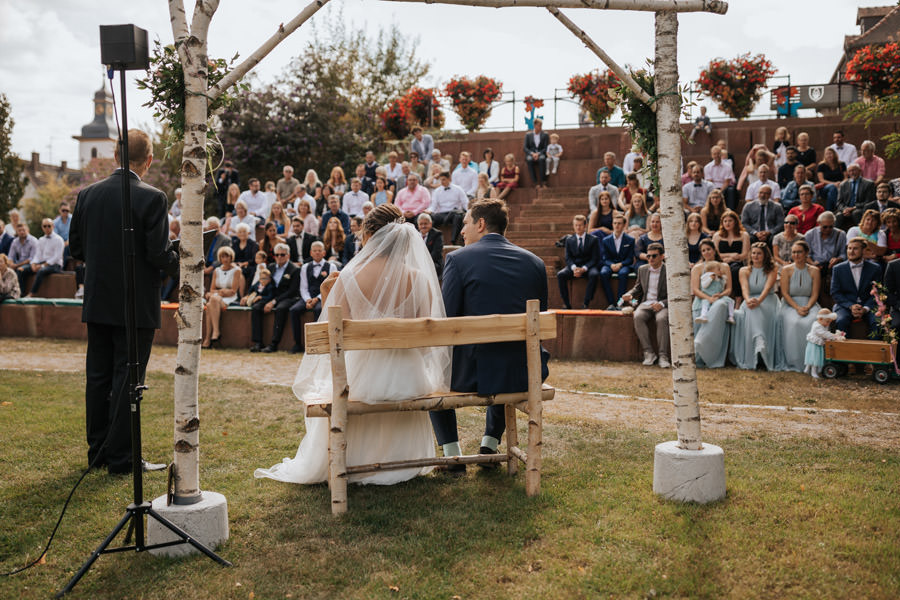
point(192, 51)
point(678, 271)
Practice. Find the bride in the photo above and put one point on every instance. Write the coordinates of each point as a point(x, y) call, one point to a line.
point(392, 276)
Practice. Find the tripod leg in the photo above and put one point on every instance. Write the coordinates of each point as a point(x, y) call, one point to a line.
point(96, 554)
point(187, 537)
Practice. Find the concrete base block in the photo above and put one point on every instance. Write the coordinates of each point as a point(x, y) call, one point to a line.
point(206, 521)
point(689, 475)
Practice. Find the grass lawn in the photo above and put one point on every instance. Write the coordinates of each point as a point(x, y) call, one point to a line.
point(807, 519)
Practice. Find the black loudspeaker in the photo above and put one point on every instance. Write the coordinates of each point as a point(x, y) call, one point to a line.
point(124, 47)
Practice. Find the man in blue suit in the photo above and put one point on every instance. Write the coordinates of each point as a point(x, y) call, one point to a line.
point(582, 260)
point(618, 257)
point(490, 275)
point(851, 287)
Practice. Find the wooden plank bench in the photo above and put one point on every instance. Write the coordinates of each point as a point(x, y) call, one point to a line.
point(338, 335)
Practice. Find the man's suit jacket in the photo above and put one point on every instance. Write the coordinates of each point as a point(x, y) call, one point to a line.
point(541, 148)
point(892, 287)
point(434, 241)
point(865, 193)
point(643, 283)
point(220, 240)
point(492, 276)
point(873, 205)
point(289, 286)
point(304, 241)
point(624, 255)
point(349, 249)
point(423, 148)
point(845, 293)
point(589, 257)
point(95, 236)
point(774, 217)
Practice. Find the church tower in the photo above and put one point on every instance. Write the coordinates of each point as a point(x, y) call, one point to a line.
point(98, 138)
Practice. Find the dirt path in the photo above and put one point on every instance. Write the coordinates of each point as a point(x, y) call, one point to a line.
point(720, 421)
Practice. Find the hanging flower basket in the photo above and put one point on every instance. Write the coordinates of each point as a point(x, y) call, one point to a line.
point(877, 68)
point(596, 94)
point(472, 99)
point(736, 85)
point(532, 103)
point(396, 119)
point(423, 107)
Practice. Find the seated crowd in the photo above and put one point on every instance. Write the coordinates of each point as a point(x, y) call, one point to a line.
point(764, 251)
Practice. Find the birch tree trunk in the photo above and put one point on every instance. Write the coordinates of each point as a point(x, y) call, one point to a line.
point(678, 273)
point(191, 47)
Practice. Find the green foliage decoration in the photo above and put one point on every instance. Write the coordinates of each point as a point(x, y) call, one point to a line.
point(12, 183)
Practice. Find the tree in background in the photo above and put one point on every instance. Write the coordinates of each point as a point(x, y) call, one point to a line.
point(325, 109)
point(886, 106)
point(12, 184)
point(45, 202)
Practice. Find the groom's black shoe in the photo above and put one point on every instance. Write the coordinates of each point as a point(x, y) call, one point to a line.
point(486, 450)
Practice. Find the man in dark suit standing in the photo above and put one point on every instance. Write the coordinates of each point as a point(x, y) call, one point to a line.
point(617, 250)
point(582, 260)
point(536, 143)
point(285, 276)
point(490, 275)
point(300, 242)
point(434, 241)
point(881, 203)
point(95, 237)
point(353, 242)
point(892, 287)
point(855, 191)
point(224, 178)
point(851, 287)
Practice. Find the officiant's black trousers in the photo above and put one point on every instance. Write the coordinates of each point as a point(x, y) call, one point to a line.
point(444, 424)
point(106, 394)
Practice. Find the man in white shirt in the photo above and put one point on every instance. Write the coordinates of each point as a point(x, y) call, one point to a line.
point(312, 274)
point(299, 196)
point(436, 157)
point(753, 189)
point(650, 292)
point(354, 199)
point(256, 201)
point(846, 152)
point(449, 204)
point(465, 176)
point(48, 258)
point(695, 192)
point(603, 186)
point(628, 161)
point(719, 170)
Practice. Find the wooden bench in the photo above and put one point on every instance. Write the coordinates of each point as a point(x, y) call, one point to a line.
point(338, 335)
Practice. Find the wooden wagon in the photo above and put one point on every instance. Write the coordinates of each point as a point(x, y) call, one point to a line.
point(840, 354)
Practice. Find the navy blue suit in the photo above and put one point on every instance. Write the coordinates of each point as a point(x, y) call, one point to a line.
point(611, 256)
point(491, 276)
point(845, 293)
point(589, 257)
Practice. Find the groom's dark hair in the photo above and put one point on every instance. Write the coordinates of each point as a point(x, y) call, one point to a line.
point(494, 213)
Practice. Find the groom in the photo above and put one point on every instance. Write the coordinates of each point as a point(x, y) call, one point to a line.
point(489, 275)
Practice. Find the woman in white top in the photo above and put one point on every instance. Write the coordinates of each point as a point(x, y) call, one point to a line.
point(242, 216)
point(490, 166)
point(223, 290)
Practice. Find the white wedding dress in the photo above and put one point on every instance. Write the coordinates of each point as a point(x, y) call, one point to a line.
point(392, 276)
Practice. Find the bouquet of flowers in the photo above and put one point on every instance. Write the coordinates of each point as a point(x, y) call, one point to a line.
point(883, 318)
point(472, 99)
point(736, 85)
point(596, 92)
point(877, 68)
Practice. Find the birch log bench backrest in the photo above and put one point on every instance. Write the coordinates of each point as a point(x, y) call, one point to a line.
point(338, 335)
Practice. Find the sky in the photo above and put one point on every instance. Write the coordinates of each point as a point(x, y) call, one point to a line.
point(50, 56)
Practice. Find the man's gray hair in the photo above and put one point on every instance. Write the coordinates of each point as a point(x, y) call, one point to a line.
point(867, 144)
point(282, 246)
point(424, 217)
point(314, 245)
point(826, 216)
point(412, 176)
point(242, 227)
point(214, 222)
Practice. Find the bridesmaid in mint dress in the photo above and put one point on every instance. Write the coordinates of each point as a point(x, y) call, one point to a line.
point(756, 327)
point(800, 284)
point(711, 337)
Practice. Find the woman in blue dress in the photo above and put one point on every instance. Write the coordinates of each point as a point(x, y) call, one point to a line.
point(382, 195)
point(711, 335)
point(800, 285)
point(755, 335)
